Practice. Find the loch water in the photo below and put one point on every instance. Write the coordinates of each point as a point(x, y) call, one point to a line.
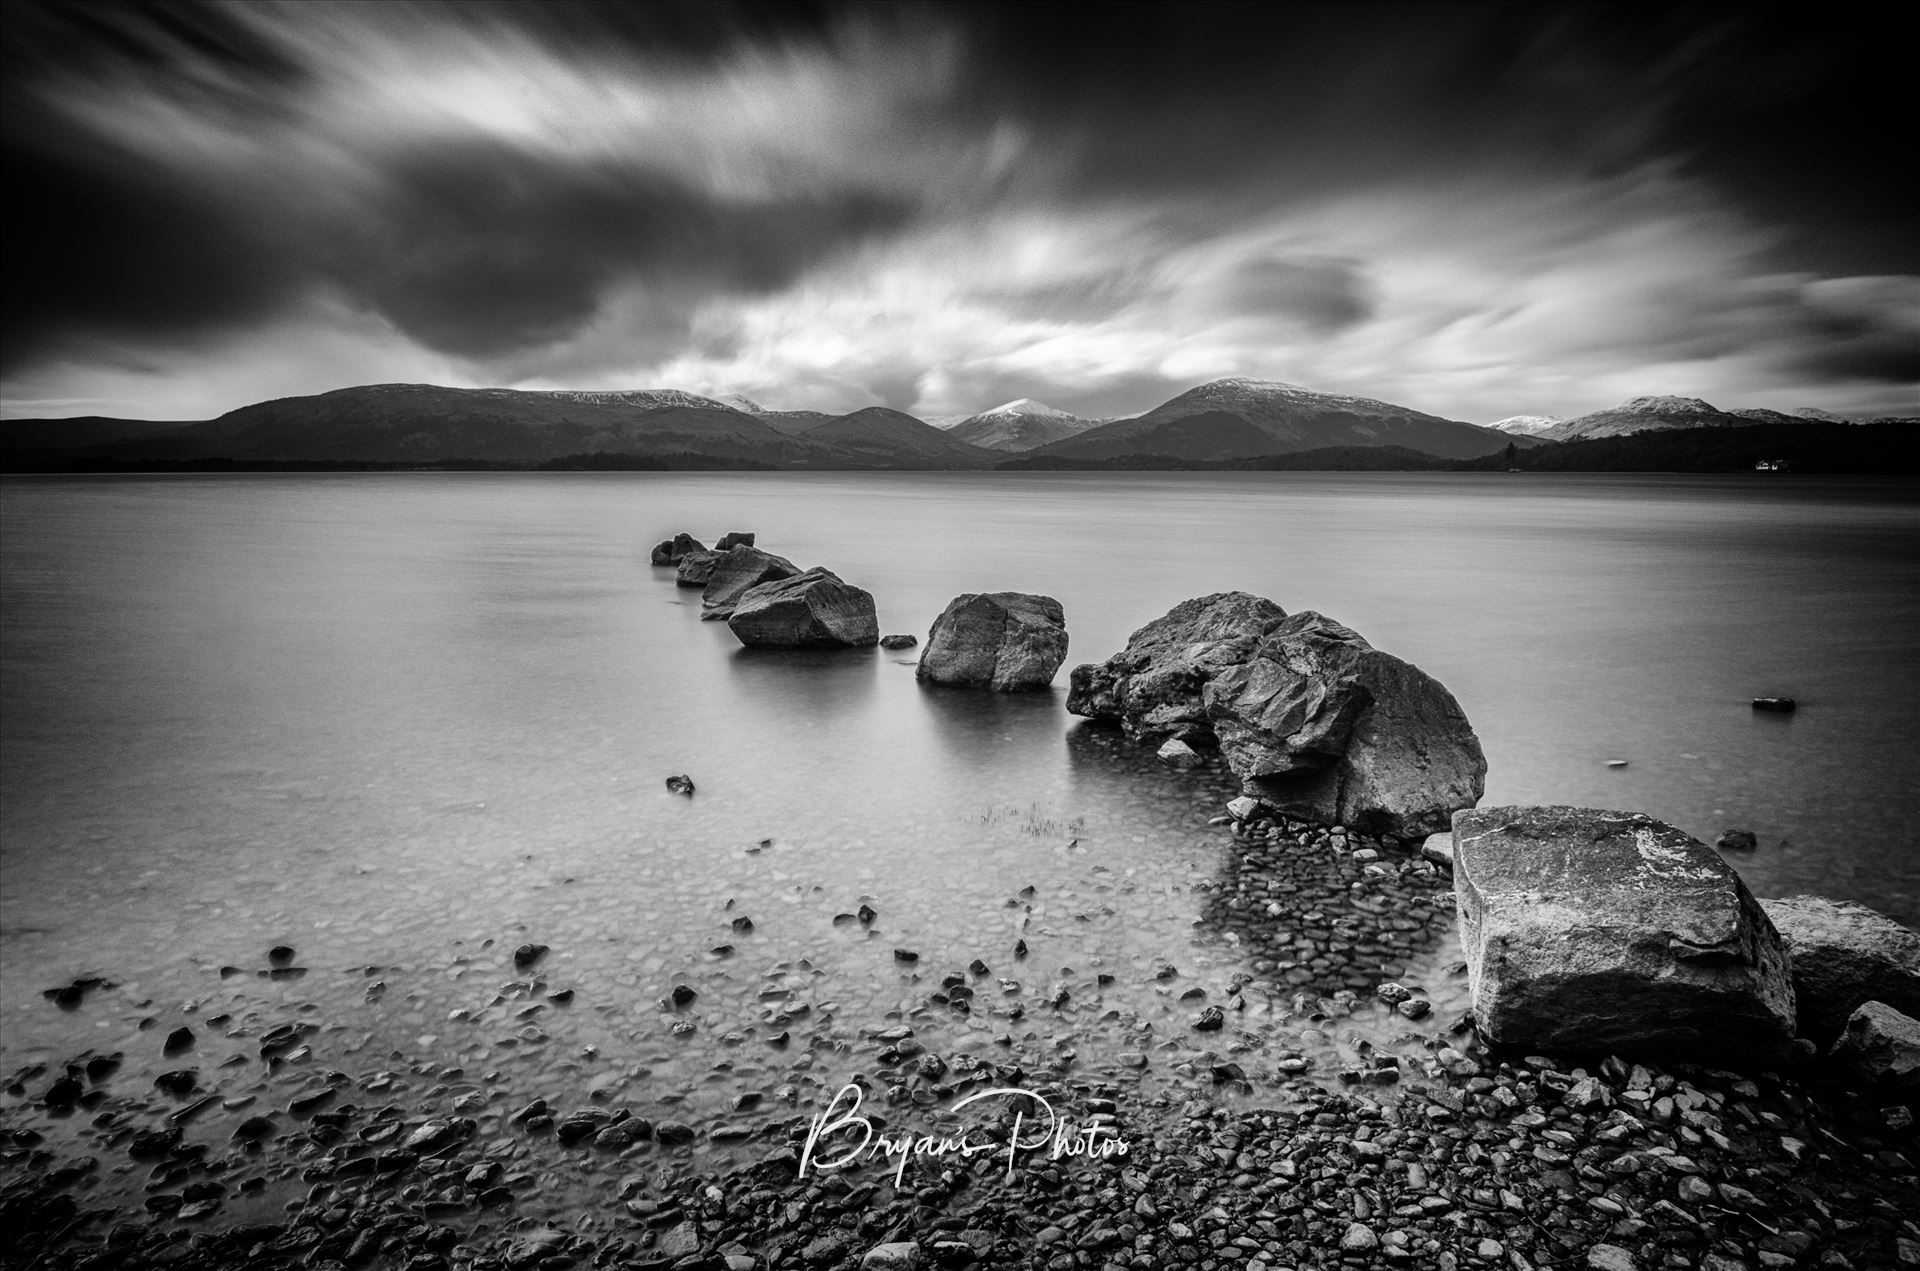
point(405, 723)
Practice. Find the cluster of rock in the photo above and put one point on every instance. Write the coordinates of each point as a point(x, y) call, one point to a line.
point(1007, 641)
point(1317, 723)
point(1592, 931)
point(767, 601)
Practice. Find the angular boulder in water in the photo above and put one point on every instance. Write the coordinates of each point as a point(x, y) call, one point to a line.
point(809, 610)
point(1316, 722)
point(1879, 1047)
point(1597, 931)
point(673, 550)
point(1008, 641)
point(737, 572)
point(733, 539)
point(1844, 955)
point(696, 567)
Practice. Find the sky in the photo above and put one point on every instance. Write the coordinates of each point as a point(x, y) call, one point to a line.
point(1474, 210)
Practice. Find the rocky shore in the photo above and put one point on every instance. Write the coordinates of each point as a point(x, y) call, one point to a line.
point(1328, 1101)
point(1256, 1152)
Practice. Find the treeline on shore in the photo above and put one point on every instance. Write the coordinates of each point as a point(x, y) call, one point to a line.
point(1816, 448)
point(1878, 449)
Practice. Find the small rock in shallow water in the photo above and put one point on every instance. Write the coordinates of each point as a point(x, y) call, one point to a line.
point(280, 955)
point(1737, 841)
point(1210, 1020)
point(682, 994)
point(899, 641)
point(1177, 754)
point(178, 1040)
point(528, 954)
point(681, 784)
point(1778, 704)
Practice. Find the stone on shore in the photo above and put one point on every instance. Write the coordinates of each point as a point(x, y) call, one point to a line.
point(1879, 1047)
point(1317, 723)
point(673, 550)
point(696, 567)
point(1008, 641)
point(1842, 955)
point(895, 1255)
point(738, 571)
point(809, 610)
point(1597, 931)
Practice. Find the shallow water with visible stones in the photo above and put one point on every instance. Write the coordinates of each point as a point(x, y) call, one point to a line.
point(406, 727)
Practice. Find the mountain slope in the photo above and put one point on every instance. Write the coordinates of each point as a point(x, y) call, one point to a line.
point(1019, 425)
point(892, 438)
point(1525, 425)
point(1282, 418)
point(80, 431)
point(402, 423)
point(1644, 414)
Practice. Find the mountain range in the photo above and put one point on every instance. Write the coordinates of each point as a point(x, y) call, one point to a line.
point(1650, 414)
point(402, 425)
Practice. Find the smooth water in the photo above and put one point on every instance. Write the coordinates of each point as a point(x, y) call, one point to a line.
point(407, 722)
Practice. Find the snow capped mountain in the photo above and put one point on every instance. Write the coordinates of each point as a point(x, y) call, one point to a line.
point(1022, 424)
point(1526, 425)
point(645, 398)
point(1239, 416)
point(1644, 414)
point(1026, 406)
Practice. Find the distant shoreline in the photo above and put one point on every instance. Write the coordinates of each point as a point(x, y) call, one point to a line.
point(1797, 449)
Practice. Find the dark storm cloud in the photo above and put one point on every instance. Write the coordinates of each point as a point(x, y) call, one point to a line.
point(1324, 295)
point(481, 249)
point(472, 245)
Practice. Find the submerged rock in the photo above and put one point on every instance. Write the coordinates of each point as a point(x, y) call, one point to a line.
point(1737, 841)
point(1597, 931)
point(1316, 722)
point(1879, 1046)
point(808, 610)
point(1008, 641)
point(736, 573)
point(1843, 955)
point(1177, 754)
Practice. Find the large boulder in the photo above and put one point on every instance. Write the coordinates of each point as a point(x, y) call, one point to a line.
point(696, 567)
point(738, 571)
point(1879, 1047)
point(1595, 931)
point(673, 550)
point(1844, 954)
point(805, 611)
point(1004, 640)
point(1315, 721)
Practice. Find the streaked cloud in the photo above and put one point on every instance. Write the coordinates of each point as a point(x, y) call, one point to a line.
point(1476, 211)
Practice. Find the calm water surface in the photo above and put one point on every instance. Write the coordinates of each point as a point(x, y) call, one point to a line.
point(390, 719)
